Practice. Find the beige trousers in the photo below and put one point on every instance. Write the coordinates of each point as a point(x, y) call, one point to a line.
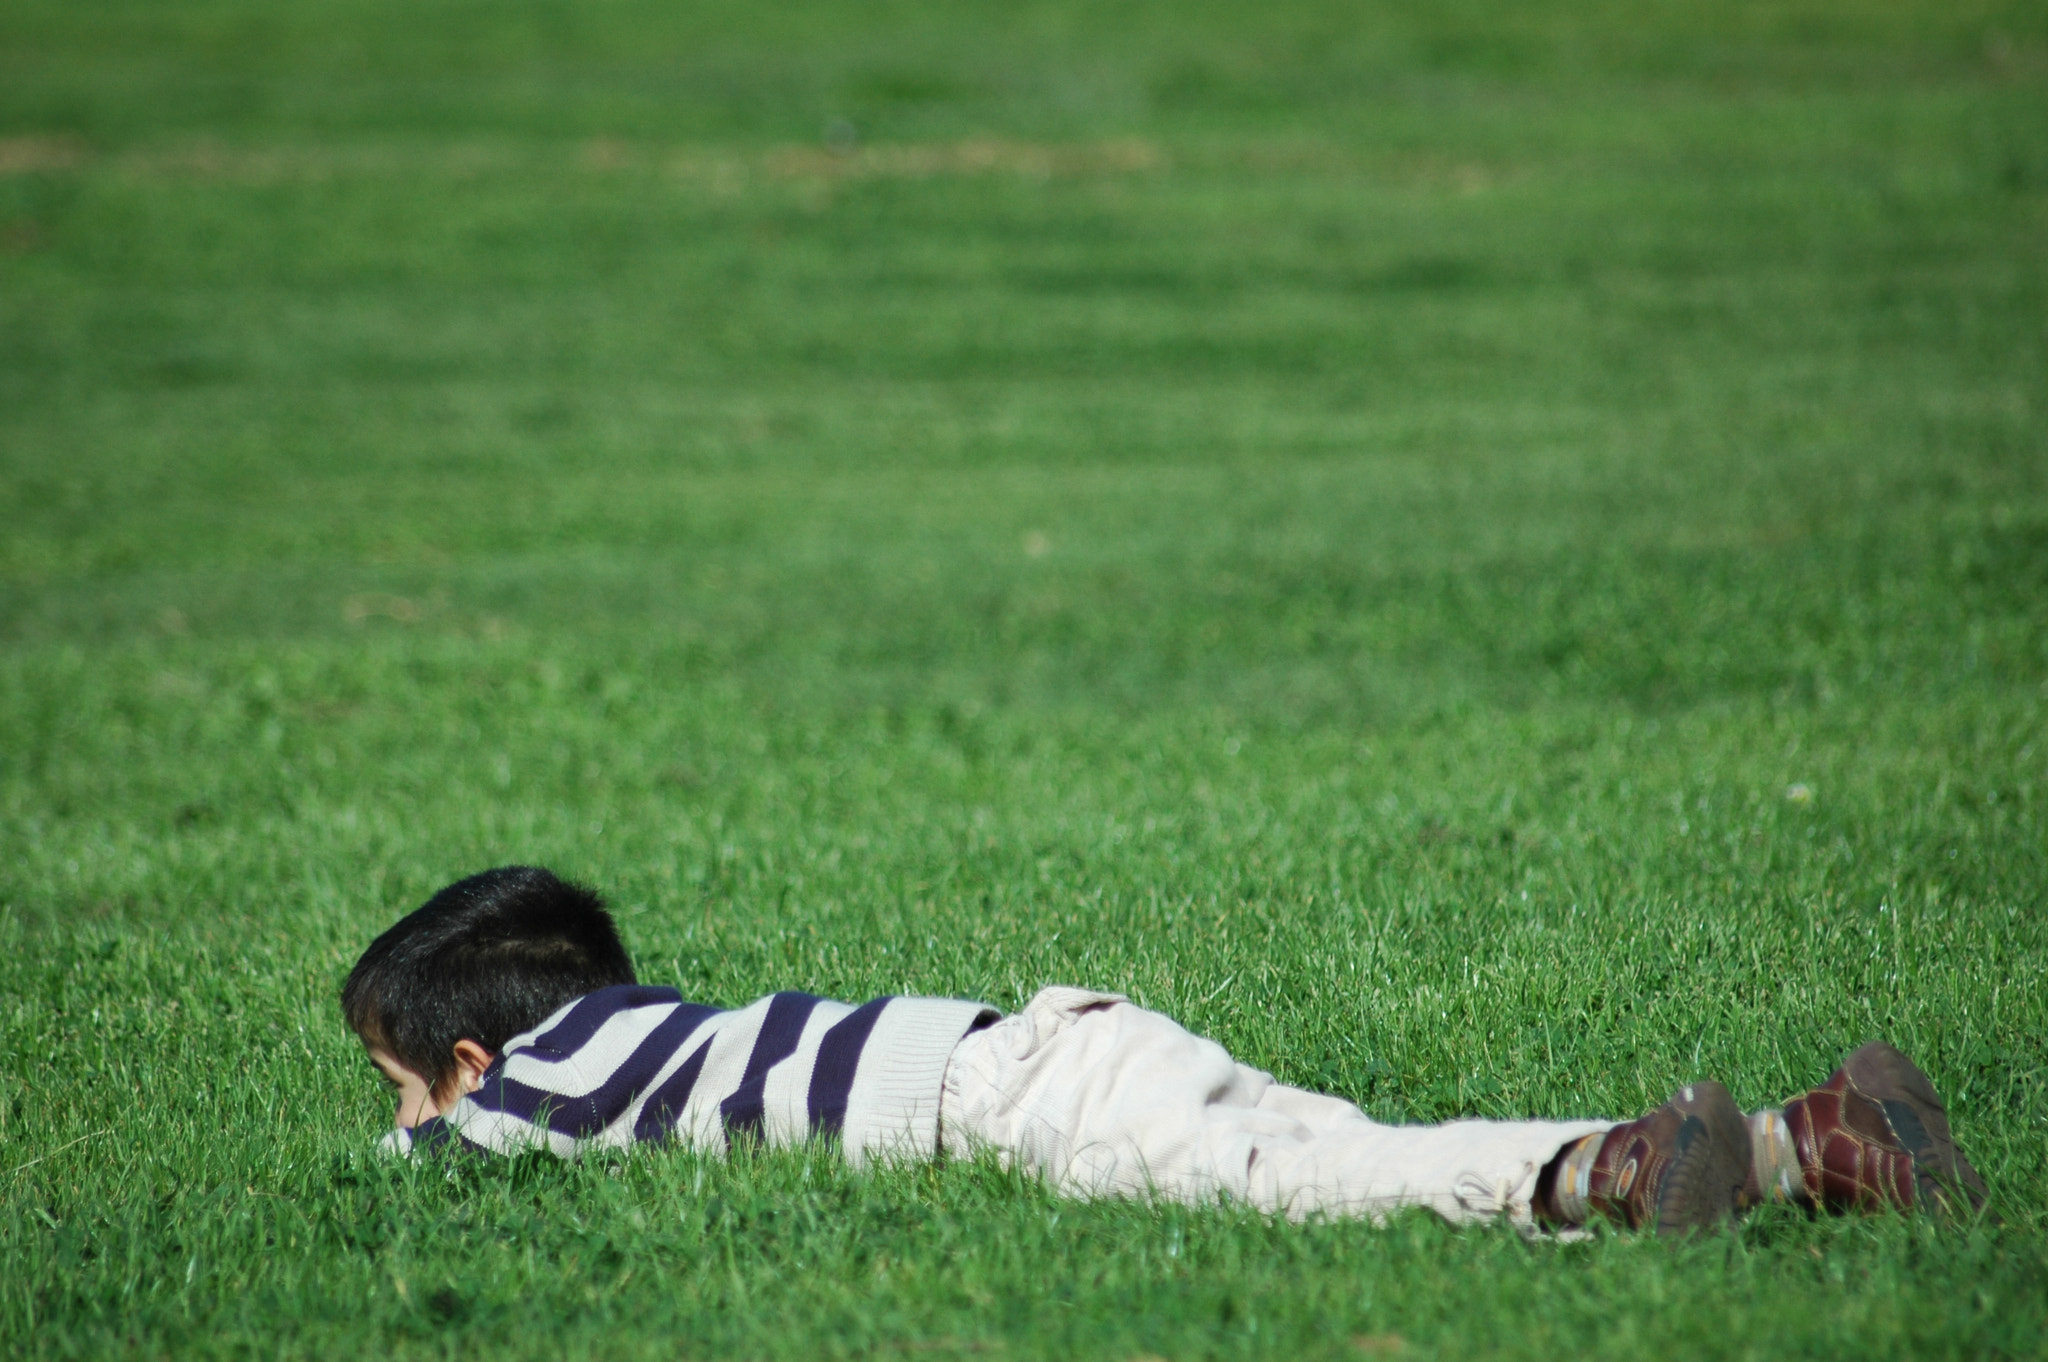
point(1103, 1098)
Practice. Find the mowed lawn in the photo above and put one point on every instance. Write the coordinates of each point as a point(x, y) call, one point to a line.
point(1492, 558)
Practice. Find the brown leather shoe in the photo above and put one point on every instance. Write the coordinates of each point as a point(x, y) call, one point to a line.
point(1874, 1135)
point(1676, 1169)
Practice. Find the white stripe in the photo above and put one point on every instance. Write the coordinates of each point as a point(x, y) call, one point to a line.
point(585, 1070)
point(503, 1134)
point(700, 1124)
point(786, 1093)
point(619, 1133)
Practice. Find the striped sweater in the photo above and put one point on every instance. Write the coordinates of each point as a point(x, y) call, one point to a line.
point(632, 1064)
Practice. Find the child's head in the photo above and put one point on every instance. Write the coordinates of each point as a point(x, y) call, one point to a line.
point(481, 961)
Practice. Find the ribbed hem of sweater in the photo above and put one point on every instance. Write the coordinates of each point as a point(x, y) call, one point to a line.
point(894, 1113)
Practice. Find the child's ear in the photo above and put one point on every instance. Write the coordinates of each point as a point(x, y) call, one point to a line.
point(471, 1060)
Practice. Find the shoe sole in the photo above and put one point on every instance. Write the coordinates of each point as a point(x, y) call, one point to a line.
point(1943, 1180)
point(1700, 1188)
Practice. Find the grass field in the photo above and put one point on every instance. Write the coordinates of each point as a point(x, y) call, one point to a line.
point(1494, 559)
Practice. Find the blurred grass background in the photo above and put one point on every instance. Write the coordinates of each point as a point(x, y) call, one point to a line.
point(1493, 558)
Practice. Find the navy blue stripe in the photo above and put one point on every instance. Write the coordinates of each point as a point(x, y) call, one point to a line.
point(435, 1136)
point(584, 1116)
point(838, 1059)
point(781, 1029)
point(665, 1106)
point(592, 1011)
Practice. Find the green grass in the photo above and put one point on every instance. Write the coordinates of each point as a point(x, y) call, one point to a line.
point(1494, 562)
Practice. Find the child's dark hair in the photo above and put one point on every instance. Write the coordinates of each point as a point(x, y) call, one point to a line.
point(483, 960)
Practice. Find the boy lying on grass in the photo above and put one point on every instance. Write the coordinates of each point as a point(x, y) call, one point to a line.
point(506, 1015)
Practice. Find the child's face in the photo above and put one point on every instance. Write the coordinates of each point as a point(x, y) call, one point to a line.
point(415, 1098)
